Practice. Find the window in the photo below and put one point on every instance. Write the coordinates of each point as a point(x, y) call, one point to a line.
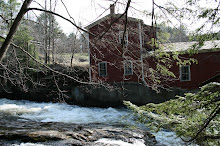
point(125, 41)
point(102, 69)
point(185, 73)
point(128, 68)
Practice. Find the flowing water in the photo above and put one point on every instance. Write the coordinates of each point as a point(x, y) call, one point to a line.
point(61, 112)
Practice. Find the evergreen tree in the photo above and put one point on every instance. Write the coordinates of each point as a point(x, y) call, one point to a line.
point(8, 11)
point(47, 31)
point(173, 34)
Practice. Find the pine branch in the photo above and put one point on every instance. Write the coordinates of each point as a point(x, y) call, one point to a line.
point(214, 113)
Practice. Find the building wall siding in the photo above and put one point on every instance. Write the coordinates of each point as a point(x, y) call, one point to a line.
point(108, 49)
point(208, 66)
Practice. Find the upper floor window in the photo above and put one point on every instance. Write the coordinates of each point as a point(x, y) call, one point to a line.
point(125, 40)
point(128, 67)
point(102, 69)
point(185, 73)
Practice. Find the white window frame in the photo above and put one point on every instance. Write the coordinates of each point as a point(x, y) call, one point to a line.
point(99, 68)
point(126, 68)
point(121, 36)
point(183, 74)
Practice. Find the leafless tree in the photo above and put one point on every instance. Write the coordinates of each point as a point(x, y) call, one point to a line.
point(102, 38)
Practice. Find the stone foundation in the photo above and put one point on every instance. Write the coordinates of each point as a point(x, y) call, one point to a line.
point(137, 93)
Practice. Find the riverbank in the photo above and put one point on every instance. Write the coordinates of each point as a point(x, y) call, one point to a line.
point(47, 86)
point(42, 85)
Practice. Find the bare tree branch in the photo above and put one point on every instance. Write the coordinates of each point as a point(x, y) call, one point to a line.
point(6, 21)
point(125, 13)
point(47, 67)
point(126, 20)
point(78, 27)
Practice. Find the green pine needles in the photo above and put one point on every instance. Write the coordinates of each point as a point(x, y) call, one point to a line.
point(194, 118)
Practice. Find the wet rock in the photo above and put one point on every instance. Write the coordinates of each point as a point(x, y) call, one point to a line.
point(72, 134)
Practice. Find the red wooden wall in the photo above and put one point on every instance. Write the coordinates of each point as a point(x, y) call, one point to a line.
point(110, 50)
point(206, 70)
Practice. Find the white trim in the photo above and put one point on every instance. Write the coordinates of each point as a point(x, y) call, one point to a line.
point(109, 16)
point(129, 67)
point(87, 38)
point(141, 49)
point(189, 74)
point(104, 62)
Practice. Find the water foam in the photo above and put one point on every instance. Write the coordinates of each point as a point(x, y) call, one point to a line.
point(29, 144)
point(61, 112)
point(120, 142)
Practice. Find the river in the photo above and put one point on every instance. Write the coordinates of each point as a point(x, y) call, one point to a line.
point(62, 112)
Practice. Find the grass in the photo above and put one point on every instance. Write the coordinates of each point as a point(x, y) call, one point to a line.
point(79, 59)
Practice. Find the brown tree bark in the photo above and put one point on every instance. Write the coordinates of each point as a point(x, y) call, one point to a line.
point(13, 28)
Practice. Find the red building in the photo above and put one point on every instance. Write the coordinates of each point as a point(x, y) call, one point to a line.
point(115, 44)
point(119, 52)
point(205, 70)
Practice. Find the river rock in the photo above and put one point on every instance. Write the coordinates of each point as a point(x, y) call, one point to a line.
point(70, 134)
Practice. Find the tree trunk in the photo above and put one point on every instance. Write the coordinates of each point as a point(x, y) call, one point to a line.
point(45, 35)
point(13, 28)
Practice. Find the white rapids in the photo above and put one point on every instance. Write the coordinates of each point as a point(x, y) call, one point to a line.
point(62, 112)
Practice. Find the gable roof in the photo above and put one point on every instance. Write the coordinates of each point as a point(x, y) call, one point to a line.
point(112, 16)
point(209, 46)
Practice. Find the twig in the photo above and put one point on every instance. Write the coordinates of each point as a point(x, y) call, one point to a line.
point(4, 19)
point(125, 13)
point(214, 113)
point(78, 27)
point(47, 67)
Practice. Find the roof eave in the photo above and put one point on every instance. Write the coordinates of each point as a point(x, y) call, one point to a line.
point(109, 16)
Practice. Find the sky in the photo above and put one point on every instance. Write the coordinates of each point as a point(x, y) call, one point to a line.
point(84, 12)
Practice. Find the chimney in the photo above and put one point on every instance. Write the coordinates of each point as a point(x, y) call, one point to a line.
point(112, 9)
